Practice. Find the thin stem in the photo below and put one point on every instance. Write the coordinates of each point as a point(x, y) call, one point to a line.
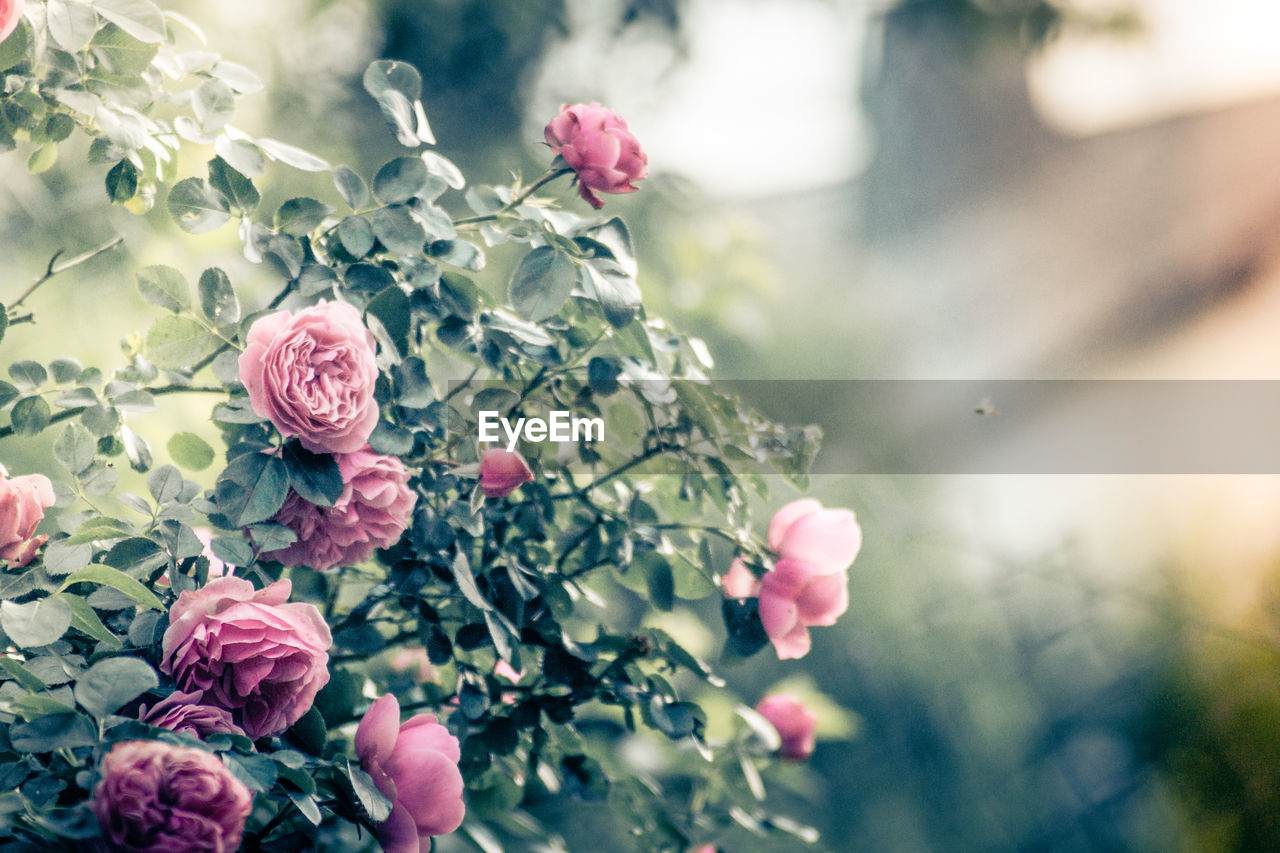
point(550, 176)
point(656, 450)
point(158, 392)
point(55, 268)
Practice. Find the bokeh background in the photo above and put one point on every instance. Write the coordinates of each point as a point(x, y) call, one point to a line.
point(921, 189)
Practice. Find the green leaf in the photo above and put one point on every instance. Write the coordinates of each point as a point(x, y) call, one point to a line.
point(242, 155)
point(617, 239)
point(398, 230)
point(28, 374)
point(467, 582)
point(122, 182)
point(190, 451)
point(541, 283)
point(400, 180)
point(42, 159)
point(658, 578)
point(301, 216)
point(197, 207)
point(99, 528)
point(75, 448)
point(141, 19)
point(397, 86)
point(352, 188)
point(369, 278)
point(16, 47)
point(109, 684)
point(36, 623)
point(314, 476)
point(218, 298)
point(238, 189)
point(742, 621)
point(165, 484)
point(117, 580)
point(293, 156)
point(164, 287)
point(53, 732)
point(21, 674)
point(608, 283)
point(71, 25)
point(86, 620)
point(356, 235)
point(391, 307)
point(373, 801)
point(214, 105)
point(175, 342)
point(65, 370)
point(63, 559)
point(253, 488)
point(460, 253)
point(30, 415)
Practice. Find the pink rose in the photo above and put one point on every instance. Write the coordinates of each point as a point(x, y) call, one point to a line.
point(10, 15)
point(183, 712)
point(502, 472)
point(808, 585)
point(312, 374)
point(249, 651)
point(826, 539)
point(158, 798)
point(23, 501)
point(416, 766)
point(372, 512)
point(596, 144)
point(795, 724)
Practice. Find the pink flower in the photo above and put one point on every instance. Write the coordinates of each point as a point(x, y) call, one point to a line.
point(597, 145)
point(183, 712)
point(249, 651)
point(23, 501)
point(808, 585)
point(416, 766)
point(158, 798)
point(414, 660)
point(372, 512)
point(826, 539)
point(312, 375)
point(10, 15)
point(502, 472)
point(795, 724)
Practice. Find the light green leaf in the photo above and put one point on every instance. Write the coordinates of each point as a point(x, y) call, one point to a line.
point(175, 342)
point(37, 623)
point(117, 580)
point(111, 683)
point(141, 19)
point(85, 619)
point(541, 283)
point(164, 287)
point(190, 451)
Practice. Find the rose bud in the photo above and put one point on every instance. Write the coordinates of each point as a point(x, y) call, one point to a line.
point(155, 797)
point(502, 472)
point(415, 765)
point(795, 723)
point(312, 375)
point(23, 501)
point(597, 145)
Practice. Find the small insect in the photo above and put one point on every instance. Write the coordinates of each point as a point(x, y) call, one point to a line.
point(985, 407)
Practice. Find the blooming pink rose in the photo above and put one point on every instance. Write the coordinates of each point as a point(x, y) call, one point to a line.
point(826, 539)
point(23, 501)
point(794, 598)
point(10, 15)
point(372, 512)
point(312, 374)
point(795, 724)
point(416, 766)
point(183, 712)
point(249, 651)
point(155, 797)
point(597, 145)
point(502, 472)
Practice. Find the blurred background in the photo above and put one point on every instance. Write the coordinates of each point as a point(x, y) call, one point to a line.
point(921, 189)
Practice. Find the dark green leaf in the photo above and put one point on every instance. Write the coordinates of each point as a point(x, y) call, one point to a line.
point(314, 476)
point(541, 283)
point(742, 621)
point(391, 307)
point(238, 188)
point(301, 216)
point(460, 253)
point(28, 374)
point(356, 235)
point(607, 283)
point(122, 182)
point(370, 278)
point(400, 180)
point(374, 803)
point(398, 230)
point(218, 298)
point(111, 683)
point(53, 732)
point(253, 488)
point(197, 207)
point(30, 415)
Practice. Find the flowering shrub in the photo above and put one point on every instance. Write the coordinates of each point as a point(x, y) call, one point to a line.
point(226, 662)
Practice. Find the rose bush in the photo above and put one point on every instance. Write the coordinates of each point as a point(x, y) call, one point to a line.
point(225, 620)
